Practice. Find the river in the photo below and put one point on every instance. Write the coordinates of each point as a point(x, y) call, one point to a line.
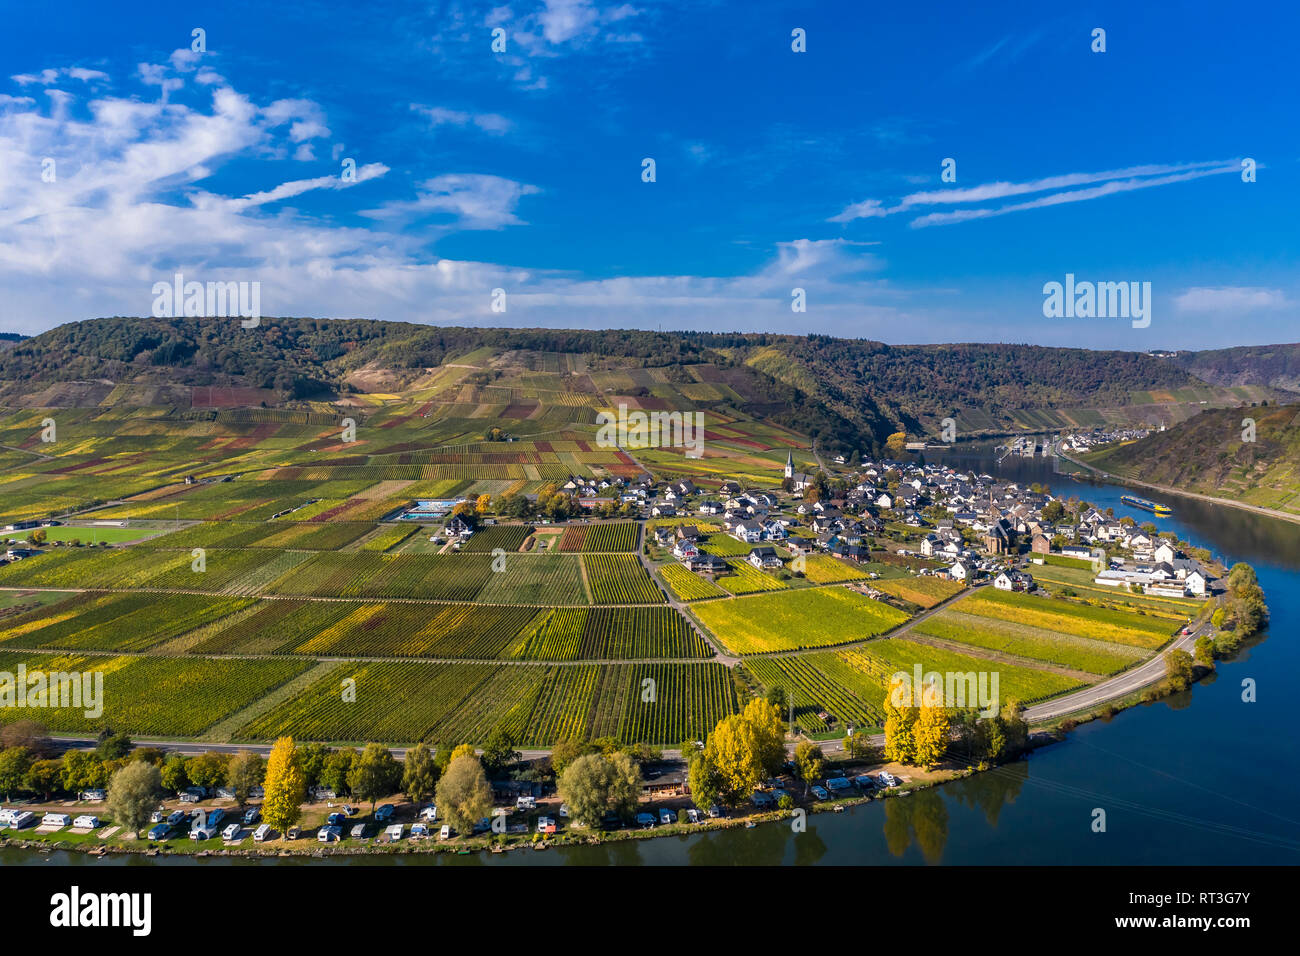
point(1202, 778)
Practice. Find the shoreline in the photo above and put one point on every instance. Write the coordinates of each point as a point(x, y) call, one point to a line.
point(1228, 502)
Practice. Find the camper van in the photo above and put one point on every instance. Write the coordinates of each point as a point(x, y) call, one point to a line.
point(262, 833)
point(55, 820)
point(87, 821)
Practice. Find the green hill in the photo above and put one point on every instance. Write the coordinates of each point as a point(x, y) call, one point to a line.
point(1207, 454)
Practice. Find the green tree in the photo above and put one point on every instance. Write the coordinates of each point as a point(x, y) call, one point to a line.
point(375, 774)
point(704, 780)
point(133, 794)
point(419, 774)
point(82, 770)
point(1179, 669)
point(245, 771)
point(334, 775)
point(14, 762)
point(596, 784)
point(463, 794)
point(285, 787)
point(43, 777)
point(207, 769)
point(112, 746)
point(808, 762)
point(1204, 651)
point(498, 753)
point(175, 775)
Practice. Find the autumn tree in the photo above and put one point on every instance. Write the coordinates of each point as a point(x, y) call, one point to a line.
point(285, 787)
point(1179, 669)
point(900, 720)
point(930, 735)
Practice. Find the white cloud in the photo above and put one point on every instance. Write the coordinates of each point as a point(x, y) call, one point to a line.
point(1228, 300)
point(491, 123)
point(475, 200)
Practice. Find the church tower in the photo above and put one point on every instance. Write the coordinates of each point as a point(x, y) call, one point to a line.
point(789, 464)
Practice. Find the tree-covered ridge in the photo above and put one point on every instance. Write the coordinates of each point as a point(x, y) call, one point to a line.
point(1213, 453)
point(1277, 366)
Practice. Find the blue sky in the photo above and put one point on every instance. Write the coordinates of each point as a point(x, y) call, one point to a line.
point(775, 169)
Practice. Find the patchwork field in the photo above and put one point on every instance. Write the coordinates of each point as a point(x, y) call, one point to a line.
point(1101, 624)
point(797, 618)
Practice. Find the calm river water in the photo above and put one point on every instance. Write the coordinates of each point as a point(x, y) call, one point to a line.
point(1202, 778)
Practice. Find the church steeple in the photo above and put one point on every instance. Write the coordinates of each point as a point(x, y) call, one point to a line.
point(789, 464)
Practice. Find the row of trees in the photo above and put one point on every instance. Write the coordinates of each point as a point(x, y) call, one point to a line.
point(924, 735)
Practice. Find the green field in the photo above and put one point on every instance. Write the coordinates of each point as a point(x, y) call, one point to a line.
point(798, 618)
point(1101, 624)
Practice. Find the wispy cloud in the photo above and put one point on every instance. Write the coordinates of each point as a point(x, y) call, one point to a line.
point(492, 123)
point(1059, 190)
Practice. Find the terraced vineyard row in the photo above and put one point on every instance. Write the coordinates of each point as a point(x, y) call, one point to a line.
point(539, 705)
point(619, 579)
point(115, 622)
point(159, 696)
point(565, 634)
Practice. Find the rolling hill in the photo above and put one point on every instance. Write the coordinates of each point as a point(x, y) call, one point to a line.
point(846, 394)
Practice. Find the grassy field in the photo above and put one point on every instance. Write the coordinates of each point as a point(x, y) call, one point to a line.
point(1023, 640)
point(924, 592)
point(1101, 624)
point(793, 619)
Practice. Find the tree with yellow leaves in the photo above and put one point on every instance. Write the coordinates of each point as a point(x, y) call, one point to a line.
point(483, 504)
point(900, 719)
point(930, 735)
point(284, 787)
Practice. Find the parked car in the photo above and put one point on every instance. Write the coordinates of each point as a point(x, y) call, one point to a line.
point(252, 815)
point(231, 832)
point(329, 834)
point(693, 815)
point(350, 810)
point(159, 831)
point(564, 810)
point(715, 811)
point(887, 779)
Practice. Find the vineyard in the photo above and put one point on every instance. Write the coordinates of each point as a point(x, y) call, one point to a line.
point(609, 633)
point(599, 537)
point(744, 578)
point(537, 704)
point(115, 622)
point(160, 696)
point(793, 619)
point(687, 585)
point(507, 537)
point(619, 579)
point(824, 569)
